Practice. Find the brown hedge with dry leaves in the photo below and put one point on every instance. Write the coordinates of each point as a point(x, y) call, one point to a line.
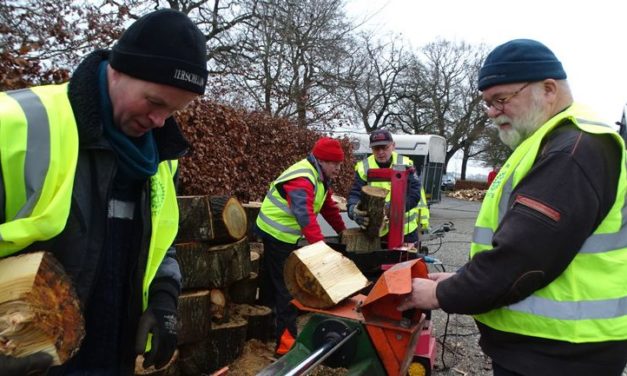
point(240, 153)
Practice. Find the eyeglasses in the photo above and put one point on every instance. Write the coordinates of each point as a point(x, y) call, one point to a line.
point(499, 103)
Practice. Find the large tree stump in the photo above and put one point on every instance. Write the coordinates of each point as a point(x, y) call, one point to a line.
point(252, 211)
point(229, 219)
point(194, 316)
point(39, 310)
point(245, 291)
point(223, 345)
point(216, 219)
point(204, 266)
point(260, 321)
point(357, 241)
point(219, 313)
point(320, 277)
point(195, 222)
point(373, 201)
point(170, 369)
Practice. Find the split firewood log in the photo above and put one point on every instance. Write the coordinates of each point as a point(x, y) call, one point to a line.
point(204, 266)
point(223, 345)
point(39, 309)
point(373, 201)
point(357, 241)
point(218, 306)
point(245, 291)
point(194, 316)
point(320, 277)
point(260, 321)
point(216, 219)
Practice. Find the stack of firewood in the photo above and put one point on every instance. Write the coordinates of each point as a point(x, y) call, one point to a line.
point(217, 310)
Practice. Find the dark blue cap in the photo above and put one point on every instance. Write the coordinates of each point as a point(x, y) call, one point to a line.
point(519, 60)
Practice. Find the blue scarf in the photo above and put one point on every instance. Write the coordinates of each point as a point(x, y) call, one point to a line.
point(137, 156)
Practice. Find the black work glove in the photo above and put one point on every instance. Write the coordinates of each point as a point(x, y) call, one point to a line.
point(34, 364)
point(359, 216)
point(160, 320)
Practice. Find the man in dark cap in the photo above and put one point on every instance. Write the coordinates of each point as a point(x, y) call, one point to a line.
point(288, 212)
point(384, 156)
point(90, 171)
point(546, 279)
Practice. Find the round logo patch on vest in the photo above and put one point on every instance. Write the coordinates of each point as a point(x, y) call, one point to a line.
point(157, 194)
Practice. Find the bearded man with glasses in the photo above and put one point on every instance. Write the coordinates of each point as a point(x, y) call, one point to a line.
point(546, 277)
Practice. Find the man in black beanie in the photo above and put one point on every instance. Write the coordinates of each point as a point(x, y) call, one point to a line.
point(99, 162)
point(546, 278)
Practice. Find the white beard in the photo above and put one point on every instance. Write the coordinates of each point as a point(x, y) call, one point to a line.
point(523, 127)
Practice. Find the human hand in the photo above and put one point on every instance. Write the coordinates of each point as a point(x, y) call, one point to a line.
point(422, 295)
point(361, 217)
point(34, 364)
point(162, 324)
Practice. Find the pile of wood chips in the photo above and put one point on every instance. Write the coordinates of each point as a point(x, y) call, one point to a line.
point(472, 194)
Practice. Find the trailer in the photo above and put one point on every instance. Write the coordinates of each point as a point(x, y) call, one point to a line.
point(428, 152)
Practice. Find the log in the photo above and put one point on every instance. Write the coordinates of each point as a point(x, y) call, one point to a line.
point(260, 321)
point(255, 259)
point(224, 344)
point(204, 266)
point(252, 209)
point(357, 241)
point(319, 277)
point(195, 222)
point(170, 369)
point(218, 310)
point(194, 316)
point(229, 219)
point(245, 291)
point(39, 309)
point(373, 201)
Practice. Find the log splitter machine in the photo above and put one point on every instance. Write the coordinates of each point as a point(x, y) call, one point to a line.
point(366, 334)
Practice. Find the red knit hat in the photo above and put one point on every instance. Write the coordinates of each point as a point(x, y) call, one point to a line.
point(328, 149)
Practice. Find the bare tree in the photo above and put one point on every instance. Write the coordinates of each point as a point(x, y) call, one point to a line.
point(293, 51)
point(374, 79)
point(443, 97)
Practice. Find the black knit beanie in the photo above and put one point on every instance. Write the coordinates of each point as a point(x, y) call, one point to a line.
point(519, 60)
point(164, 47)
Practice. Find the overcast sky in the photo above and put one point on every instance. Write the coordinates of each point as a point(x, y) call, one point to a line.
point(588, 37)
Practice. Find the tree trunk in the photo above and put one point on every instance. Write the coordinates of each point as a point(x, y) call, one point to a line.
point(252, 211)
point(229, 219)
point(223, 345)
point(195, 223)
point(320, 277)
point(39, 310)
point(205, 267)
point(260, 321)
point(356, 241)
point(194, 316)
point(373, 201)
point(245, 291)
point(218, 310)
point(255, 259)
point(217, 219)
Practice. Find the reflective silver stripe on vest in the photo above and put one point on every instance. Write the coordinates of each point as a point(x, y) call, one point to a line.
point(121, 209)
point(277, 225)
point(582, 310)
point(595, 243)
point(37, 159)
point(277, 203)
point(585, 121)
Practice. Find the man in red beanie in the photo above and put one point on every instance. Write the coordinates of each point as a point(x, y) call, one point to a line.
point(289, 212)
